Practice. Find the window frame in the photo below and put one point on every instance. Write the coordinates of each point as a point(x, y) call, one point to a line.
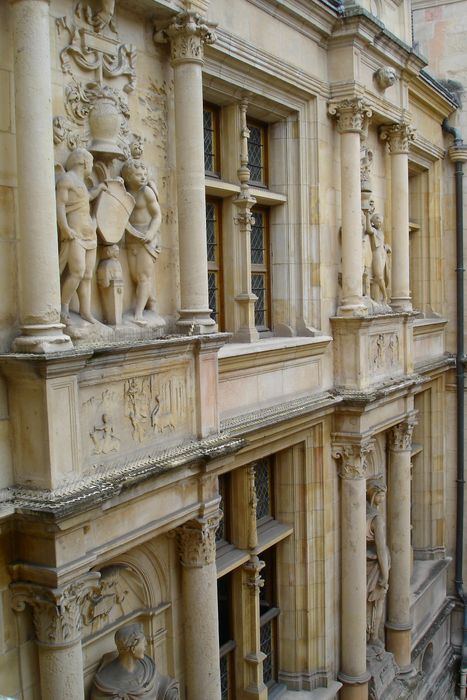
point(216, 156)
point(253, 123)
point(263, 269)
point(216, 267)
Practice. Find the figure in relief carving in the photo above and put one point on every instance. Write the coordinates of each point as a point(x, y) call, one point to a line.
point(130, 674)
point(78, 240)
point(103, 437)
point(110, 280)
point(377, 560)
point(143, 239)
point(98, 13)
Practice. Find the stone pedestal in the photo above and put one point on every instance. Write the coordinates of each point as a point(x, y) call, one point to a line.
point(352, 470)
point(351, 118)
point(57, 623)
point(399, 137)
point(398, 625)
point(39, 281)
point(197, 546)
point(372, 350)
point(187, 35)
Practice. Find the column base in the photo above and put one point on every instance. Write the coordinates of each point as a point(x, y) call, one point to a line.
point(40, 339)
point(355, 687)
point(401, 304)
point(196, 322)
point(399, 643)
point(352, 310)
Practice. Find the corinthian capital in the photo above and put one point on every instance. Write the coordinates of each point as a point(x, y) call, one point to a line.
point(398, 136)
point(187, 34)
point(352, 115)
point(400, 436)
point(197, 541)
point(57, 612)
point(352, 458)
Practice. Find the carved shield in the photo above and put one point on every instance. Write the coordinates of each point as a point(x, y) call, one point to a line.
point(113, 210)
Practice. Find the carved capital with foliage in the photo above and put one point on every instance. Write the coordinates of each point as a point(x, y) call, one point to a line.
point(197, 541)
point(400, 435)
point(187, 34)
point(352, 458)
point(398, 136)
point(57, 612)
point(352, 115)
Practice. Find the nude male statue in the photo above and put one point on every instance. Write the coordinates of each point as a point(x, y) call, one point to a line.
point(143, 240)
point(78, 240)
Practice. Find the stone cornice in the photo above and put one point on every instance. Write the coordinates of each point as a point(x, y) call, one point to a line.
point(311, 20)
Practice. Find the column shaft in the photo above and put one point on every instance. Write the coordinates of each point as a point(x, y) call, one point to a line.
point(187, 34)
point(399, 137)
point(61, 672)
point(398, 625)
point(353, 569)
point(39, 281)
point(197, 545)
point(352, 261)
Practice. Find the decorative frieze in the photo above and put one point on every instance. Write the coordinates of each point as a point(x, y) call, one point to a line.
point(57, 612)
point(398, 136)
point(352, 458)
point(400, 435)
point(197, 541)
point(187, 35)
point(351, 115)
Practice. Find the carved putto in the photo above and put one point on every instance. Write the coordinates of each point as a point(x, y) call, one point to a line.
point(129, 674)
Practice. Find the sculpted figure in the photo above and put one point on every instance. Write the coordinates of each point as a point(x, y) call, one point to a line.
point(380, 252)
point(143, 239)
point(377, 560)
point(78, 241)
point(98, 13)
point(367, 253)
point(129, 674)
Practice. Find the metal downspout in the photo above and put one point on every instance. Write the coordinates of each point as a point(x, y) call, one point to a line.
point(458, 153)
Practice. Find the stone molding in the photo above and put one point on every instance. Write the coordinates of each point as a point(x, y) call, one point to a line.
point(400, 435)
point(197, 541)
point(398, 136)
point(352, 458)
point(253, 581)
point(187, 34)
point(57, 612)
point(352, 115)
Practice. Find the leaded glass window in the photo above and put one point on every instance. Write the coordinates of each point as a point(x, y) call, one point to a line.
point(214, 259)
point(259, 252)
point(211, 140)
point(263, 489)
point(257, 153)
point(268, 615)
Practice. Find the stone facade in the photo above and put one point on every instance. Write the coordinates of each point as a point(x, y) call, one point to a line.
point(227, 325)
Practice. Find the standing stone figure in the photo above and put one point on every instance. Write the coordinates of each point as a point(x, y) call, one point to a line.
point(377, 560)
point(78, 240)
point(367, 233)
point(129, 674)
point(143, 239)
point(380, 252)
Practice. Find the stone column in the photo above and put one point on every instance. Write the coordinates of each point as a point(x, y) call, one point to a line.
point(57, 623)
point(398, 624)
point(197, 548)
point(353, 674)
point(187, 35)
point(39, 278)
point(398, 137)
point(351, 118)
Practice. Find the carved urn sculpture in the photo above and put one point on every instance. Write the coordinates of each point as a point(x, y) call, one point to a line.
point(104, 124)
point(129, 674)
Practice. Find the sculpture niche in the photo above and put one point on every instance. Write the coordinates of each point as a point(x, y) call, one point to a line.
point(377, 560)
point(129, 674)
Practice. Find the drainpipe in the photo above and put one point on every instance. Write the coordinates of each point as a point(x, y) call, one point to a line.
point(458, 154)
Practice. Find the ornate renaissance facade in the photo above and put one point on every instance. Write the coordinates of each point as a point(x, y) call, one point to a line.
point(229, 353)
